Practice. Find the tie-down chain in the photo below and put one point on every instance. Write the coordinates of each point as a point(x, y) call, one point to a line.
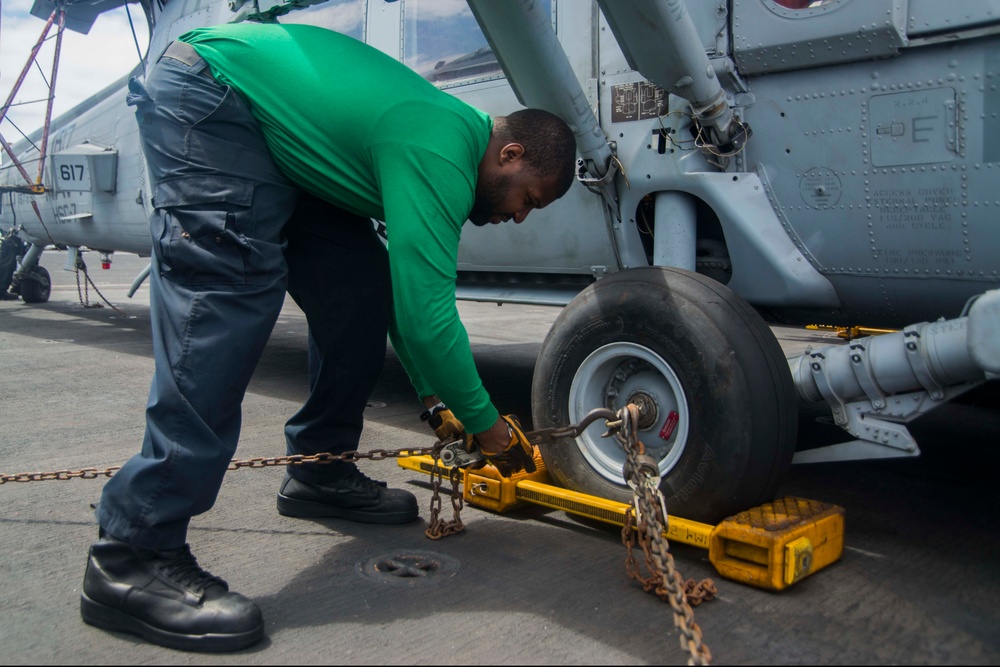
point(647, 519)
point(549, 434)
point(645, 522)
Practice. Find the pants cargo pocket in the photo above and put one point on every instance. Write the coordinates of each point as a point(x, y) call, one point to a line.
point(202, 228)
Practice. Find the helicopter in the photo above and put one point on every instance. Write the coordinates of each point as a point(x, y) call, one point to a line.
point(742, 163)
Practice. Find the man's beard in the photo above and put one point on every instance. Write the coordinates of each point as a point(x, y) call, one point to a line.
point(489, 196)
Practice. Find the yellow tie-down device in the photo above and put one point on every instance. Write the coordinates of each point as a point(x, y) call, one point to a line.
point(771, 546)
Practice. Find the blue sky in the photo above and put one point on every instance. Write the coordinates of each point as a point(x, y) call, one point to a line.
point(87, 62)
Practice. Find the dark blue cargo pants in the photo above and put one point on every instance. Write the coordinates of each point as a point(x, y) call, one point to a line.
point(224, 218)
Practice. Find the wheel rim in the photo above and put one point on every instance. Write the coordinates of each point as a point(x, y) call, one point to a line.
point(619, 373)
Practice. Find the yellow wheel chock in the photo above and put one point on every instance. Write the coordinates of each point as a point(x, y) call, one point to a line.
point(771, 546)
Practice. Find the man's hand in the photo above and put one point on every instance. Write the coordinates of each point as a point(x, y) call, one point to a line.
point(444, 422)
point(506, 446)
point(446, 425)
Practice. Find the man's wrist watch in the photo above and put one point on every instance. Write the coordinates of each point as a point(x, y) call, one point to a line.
point(430, 412)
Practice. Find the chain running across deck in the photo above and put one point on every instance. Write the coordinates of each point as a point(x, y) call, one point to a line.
point(646, 520)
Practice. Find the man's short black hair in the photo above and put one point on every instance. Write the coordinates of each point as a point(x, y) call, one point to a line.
point(549, 144)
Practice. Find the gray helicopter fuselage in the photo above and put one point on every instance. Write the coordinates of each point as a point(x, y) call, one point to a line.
point(866, 193)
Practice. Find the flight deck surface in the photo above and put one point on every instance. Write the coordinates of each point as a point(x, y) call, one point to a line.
point(917, 583)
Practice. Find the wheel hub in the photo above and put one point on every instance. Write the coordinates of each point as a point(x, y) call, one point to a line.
point(617, 374)
point(648, 412)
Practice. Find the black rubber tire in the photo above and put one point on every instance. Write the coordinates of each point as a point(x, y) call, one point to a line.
point(734, 391)
point(36, 285)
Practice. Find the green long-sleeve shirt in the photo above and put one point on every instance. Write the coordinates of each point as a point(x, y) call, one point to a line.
point(351, 125)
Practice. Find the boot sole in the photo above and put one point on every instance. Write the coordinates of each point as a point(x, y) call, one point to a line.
point(107, 618)
point(305, 509)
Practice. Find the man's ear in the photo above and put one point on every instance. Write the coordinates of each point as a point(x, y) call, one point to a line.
point(511, 152)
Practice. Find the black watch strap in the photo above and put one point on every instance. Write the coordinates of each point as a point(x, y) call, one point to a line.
point(430, 412)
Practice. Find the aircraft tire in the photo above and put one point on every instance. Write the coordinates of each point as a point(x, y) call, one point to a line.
point(695, 354)
point(35, 286)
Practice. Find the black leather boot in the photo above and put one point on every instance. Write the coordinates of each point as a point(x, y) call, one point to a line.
point(165, 598)
point(351, 495)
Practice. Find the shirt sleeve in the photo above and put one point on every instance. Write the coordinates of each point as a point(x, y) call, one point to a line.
point(426, 200)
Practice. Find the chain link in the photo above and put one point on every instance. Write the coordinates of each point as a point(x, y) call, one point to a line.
point(80, 289)
point(62, 475)
point(541, 435)
point(647, 519)
point(85, 300)
point(438, 527)
point(574, 430)
point(327, 457)
point(235, 464)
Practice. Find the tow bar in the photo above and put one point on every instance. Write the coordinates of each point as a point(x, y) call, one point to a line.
point(771, 546)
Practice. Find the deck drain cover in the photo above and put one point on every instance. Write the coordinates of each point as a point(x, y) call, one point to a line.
point(412, 567)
